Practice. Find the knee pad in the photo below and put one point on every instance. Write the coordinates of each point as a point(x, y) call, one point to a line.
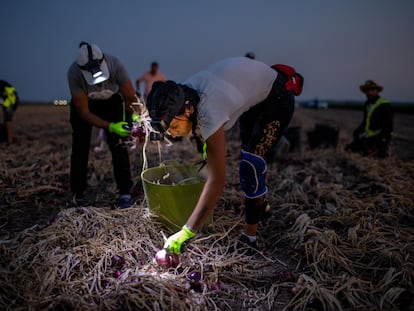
point(252, 175)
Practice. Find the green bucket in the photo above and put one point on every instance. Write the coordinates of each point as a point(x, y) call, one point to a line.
point(172, 192)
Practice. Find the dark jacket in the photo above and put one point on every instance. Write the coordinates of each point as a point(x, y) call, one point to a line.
point(380, 122)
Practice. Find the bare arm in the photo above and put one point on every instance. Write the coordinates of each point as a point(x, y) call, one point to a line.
point(129, 95)
point(216, 165)
point(80, 101)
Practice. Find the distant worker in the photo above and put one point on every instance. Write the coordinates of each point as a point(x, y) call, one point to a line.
point(149, 77)
point(250, 55)
point(372, 137)
point(102, 94)
point(9, 101)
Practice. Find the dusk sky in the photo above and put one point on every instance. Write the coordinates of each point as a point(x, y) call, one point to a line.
point(335, 44)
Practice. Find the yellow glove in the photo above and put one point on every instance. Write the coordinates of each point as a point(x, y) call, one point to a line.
point(120, 128)
point(135, 117)
point(174, 243)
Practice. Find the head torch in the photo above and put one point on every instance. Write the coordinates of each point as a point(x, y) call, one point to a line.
point(93, 65)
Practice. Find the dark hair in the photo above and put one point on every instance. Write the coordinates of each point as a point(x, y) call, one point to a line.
point(167, 100)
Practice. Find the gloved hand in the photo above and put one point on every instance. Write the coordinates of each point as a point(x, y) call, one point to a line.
point(120, 128)
point(174, 243)
point(135, 117)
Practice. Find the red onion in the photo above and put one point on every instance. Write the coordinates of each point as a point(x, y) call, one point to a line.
point(315, 304)
point(166, 260)
point(175, 260)
point(194, 276)
point(195, 280)
point(105, 283)
point(118, 274)
point(138, 132)
point(216, 286)
point(117, 261)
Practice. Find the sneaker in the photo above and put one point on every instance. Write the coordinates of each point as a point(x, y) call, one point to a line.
point(244, 246)
point(125, 201)
point(78, 201)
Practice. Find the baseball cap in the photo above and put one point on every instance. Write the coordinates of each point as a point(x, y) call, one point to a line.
point(92, 63)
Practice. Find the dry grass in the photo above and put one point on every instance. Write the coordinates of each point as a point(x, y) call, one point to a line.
point(340, 238)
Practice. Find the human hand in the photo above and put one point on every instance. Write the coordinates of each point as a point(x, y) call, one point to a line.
point(135, 117)
point(120, 128)
point(174, 243)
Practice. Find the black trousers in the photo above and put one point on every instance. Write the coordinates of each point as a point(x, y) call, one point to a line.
point(111, 110)
point(261, 127)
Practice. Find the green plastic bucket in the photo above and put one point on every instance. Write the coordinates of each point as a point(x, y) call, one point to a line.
point(172, 192)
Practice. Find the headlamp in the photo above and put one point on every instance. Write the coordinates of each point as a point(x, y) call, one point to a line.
point(93, 65)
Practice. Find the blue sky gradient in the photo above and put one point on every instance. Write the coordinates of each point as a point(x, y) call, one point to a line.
point(335, 44)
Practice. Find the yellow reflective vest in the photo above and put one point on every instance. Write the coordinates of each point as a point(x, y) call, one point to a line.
point(10, 96)
point(370, 111)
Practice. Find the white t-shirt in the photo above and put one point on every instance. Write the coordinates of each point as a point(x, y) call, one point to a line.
point(227, 89)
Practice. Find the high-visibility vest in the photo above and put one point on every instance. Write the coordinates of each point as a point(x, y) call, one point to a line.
point(10, 96)
point(370, 111)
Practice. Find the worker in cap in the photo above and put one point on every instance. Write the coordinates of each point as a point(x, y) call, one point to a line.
point(102, 94)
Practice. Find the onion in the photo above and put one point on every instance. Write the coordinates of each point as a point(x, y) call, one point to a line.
point(118, 273)
point(315, 304)
point(216, 286)
point(138, 132)
point(135, 279)
point(166, 260)
point(194, 276)
point(174, 260)
point(117, 261)
point(105, 283)
point(195, 280)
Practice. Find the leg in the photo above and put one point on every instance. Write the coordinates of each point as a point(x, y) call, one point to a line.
point(120, 163)
point(8, 122)
point(113, 110)
point(81, 136)
point(9, 129)
point(265, 125)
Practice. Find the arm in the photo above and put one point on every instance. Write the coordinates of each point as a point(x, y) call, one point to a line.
point(382, 123)
point(80, 101)
point(216, 165)
point(138, 81)
point(361, 128)
point(128, 92)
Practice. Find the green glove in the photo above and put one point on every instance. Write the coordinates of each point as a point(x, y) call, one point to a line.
point(135, 117)
point(120, 129)
point(174, 243)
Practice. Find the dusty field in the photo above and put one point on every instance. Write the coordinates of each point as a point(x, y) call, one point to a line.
point(329, 209)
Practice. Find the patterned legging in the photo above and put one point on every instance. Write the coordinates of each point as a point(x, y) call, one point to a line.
point(261, 128)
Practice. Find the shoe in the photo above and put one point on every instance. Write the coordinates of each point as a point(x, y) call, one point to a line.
point(244, 246)
point(78, 201)
point(125, 201)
